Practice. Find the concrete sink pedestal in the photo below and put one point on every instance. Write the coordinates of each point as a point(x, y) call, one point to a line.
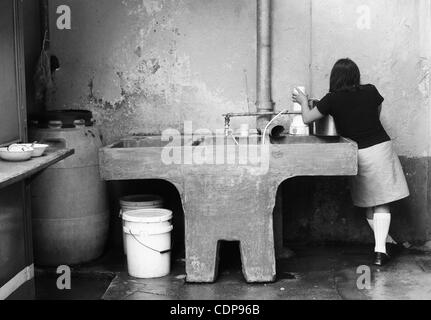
point(228, 188)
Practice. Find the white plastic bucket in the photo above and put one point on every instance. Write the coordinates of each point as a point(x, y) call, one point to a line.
point(147, 234)
point(138, 202)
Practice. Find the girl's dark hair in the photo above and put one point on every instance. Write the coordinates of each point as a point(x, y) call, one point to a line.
point(345, 75)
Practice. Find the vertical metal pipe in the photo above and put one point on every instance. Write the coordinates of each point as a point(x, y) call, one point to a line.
point(264, 38)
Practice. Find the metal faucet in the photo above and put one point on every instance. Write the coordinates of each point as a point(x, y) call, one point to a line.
point(228, 116)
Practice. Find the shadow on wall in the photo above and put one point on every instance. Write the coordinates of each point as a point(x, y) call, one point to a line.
point(320, 209)
point(172, 201)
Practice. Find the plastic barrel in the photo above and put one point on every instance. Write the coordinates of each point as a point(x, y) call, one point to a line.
point(69, 200)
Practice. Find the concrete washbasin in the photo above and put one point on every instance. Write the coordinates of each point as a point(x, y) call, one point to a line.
point(225, 200)
point(157, 141)
point(154, 141)
point(290, 139)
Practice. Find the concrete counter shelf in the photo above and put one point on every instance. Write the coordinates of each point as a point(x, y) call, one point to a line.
point(12, 172)
point(228, 190)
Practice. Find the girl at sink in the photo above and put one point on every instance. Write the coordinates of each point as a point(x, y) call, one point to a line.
point(380, 181)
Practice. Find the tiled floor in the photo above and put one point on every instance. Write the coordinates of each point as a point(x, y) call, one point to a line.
point(326, 272)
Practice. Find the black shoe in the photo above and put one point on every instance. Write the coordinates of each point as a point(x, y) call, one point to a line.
point(381, 259)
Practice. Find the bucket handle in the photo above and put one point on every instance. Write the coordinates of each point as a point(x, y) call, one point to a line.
point(148, 247)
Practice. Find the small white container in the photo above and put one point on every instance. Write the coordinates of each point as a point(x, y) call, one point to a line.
point(148, 241)
point(244, 130)
point(298, 127)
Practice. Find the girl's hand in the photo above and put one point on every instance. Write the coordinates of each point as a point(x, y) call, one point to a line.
point(299, 97)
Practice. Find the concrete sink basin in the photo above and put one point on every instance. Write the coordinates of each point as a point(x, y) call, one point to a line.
point(228, 191)
point(151, 142)
point(157, 141)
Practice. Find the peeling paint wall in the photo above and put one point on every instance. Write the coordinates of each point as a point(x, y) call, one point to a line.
point(391, 42)
point(385, 38)
point(148, 65)
point(145, 66)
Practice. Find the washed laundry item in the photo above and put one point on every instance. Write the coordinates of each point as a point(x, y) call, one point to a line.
point(43, 77)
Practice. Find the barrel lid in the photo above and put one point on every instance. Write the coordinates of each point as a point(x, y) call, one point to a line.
point(148, 215)
point(141, 200)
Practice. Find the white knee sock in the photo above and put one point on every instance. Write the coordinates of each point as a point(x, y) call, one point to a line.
point(382, 222)
point(389, 239)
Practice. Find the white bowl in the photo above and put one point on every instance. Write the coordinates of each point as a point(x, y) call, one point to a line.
point(39, 149)
point(15, 156)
